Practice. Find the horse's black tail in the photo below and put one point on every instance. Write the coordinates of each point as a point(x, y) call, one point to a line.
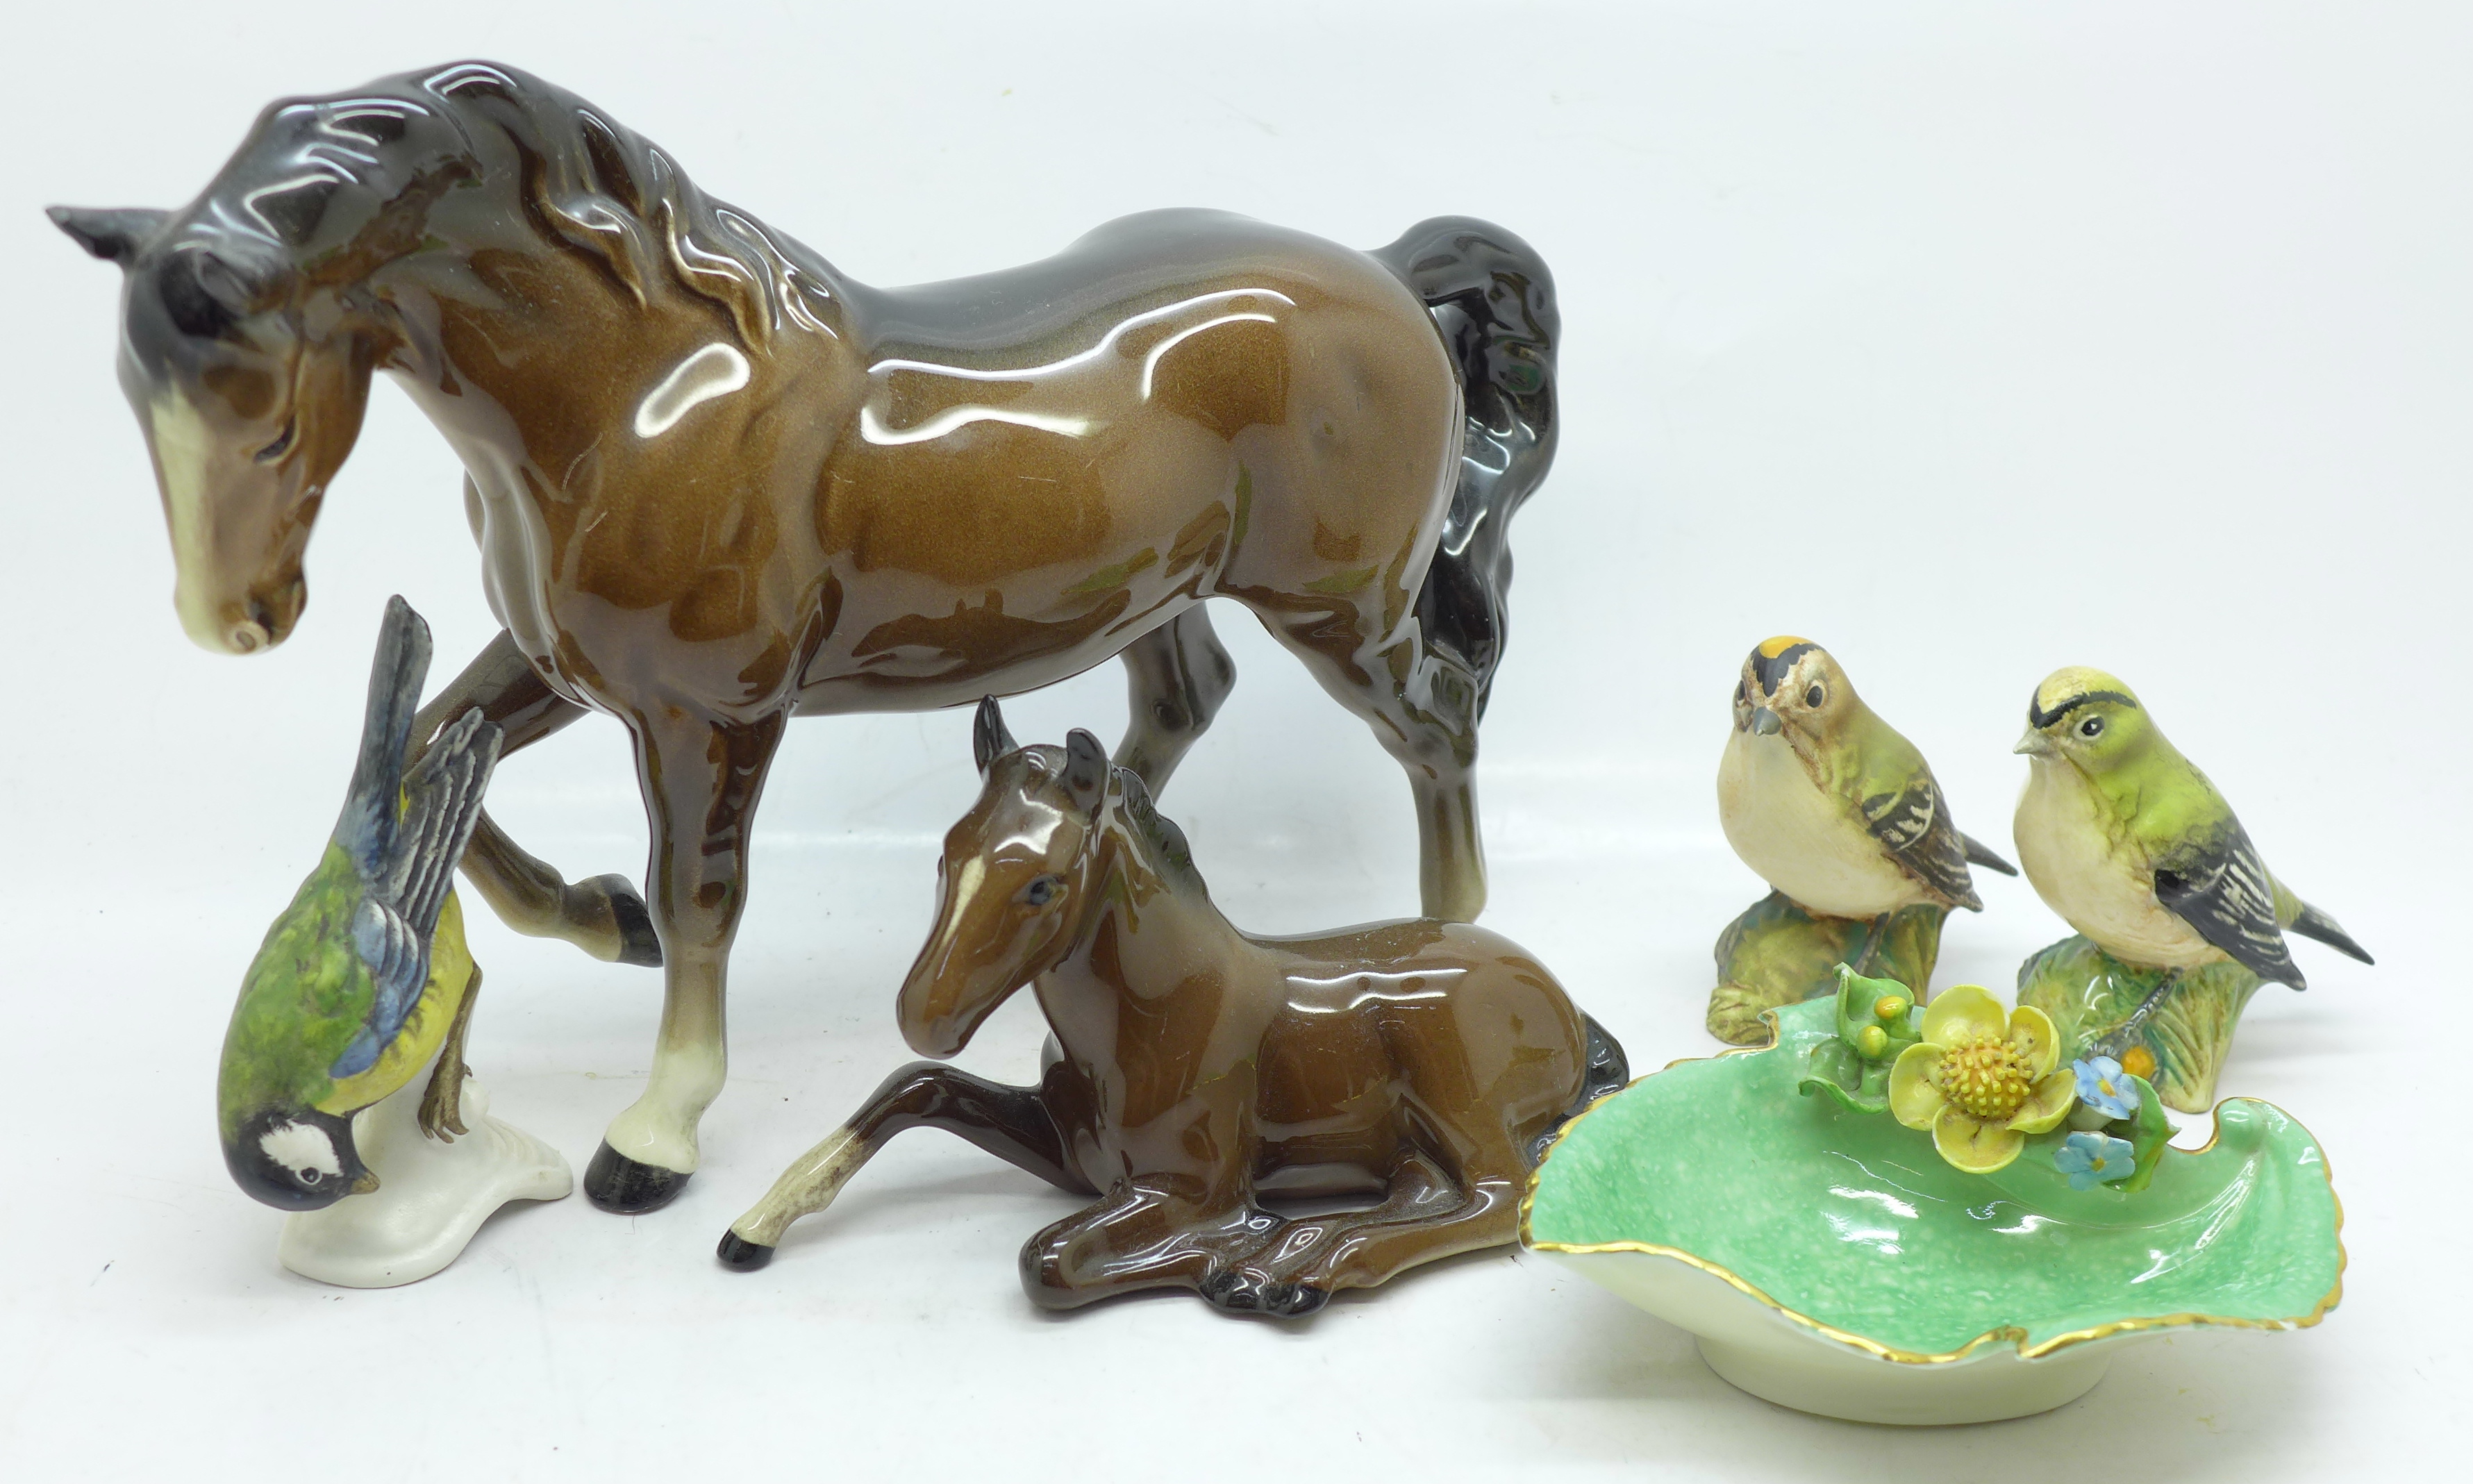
point(1608, 1071)
point(1492, 301)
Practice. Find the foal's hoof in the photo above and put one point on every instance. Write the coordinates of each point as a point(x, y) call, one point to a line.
point(1236, 1291)
point(638, 943)
point(629, 1187)
point(738, 1251)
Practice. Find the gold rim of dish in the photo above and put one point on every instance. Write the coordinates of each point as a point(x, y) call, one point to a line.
point(2005, 1332)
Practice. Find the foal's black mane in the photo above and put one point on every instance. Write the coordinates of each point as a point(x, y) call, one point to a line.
point(340, 183)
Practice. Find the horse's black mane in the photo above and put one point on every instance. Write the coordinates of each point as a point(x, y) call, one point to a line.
point(568, 173)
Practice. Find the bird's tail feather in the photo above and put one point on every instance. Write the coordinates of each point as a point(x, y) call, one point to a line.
point(1978, 853)
point(366, 827)
point(2310, 922)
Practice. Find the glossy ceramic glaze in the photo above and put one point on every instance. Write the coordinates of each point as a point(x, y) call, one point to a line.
point(1829, 1260)
point(716, 483)
point(1198, 1072)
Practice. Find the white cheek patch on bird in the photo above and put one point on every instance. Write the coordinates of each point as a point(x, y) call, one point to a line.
point(300, 1146)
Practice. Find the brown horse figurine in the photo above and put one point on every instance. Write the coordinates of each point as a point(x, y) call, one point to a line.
point(1196, 1069)
point(716, 483)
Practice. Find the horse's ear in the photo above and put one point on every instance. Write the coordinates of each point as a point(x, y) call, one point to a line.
point(989, 739)
point(111, 235)
point(1086, 770)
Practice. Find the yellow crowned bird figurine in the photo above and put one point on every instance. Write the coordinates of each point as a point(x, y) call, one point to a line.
point(2179, 919)
point(1842, 817)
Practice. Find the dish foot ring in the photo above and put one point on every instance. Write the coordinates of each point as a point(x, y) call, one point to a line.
point(1860, 1388)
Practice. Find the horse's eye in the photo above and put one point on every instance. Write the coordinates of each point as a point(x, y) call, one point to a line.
point(2092, 727)
point(1040, 892)
point(1815, 696)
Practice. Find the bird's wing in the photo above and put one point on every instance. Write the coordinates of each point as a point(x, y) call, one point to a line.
point(1903, 810)
point(441, 804)
point(393, 924)
point(2216, 883)
point(366, 827)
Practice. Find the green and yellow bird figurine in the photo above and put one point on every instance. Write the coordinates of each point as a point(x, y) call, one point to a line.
point(1842, 817)
point(2178, 919)
point(365, 976)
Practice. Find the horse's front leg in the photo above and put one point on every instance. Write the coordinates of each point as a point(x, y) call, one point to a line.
point(701, 776)
point(604, 916)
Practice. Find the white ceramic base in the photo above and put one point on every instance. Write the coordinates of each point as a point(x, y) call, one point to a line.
point(1757, 1348)
point(431, 1196)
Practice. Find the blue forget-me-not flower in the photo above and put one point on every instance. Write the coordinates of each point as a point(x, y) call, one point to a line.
point(2091, 1160)
point(2102, 1087)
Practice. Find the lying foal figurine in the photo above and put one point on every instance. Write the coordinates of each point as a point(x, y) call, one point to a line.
point(1196, 1069)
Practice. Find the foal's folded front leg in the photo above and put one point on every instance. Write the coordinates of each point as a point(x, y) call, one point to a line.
point(1011, 1123)
point(1153, 1231)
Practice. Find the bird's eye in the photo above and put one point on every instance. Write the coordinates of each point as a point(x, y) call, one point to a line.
point(310, 1177)
point(1743, 697)
point(1815, 696)
point(1040, 892)
point(2092, 727)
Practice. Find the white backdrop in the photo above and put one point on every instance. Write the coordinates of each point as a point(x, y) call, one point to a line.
point(1971, 340)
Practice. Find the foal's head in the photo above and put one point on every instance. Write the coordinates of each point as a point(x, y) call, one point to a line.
point(1014, 885)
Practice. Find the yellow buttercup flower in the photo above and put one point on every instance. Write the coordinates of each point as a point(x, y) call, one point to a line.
point(1982, 1079)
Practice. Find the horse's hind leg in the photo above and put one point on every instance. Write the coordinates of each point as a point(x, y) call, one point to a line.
point(1422, 705)
point(1176, 676)
point(1011, 1123)
point(604, 916)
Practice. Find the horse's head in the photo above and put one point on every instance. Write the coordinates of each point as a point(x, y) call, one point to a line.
point(1014, 885)
point(245, 346)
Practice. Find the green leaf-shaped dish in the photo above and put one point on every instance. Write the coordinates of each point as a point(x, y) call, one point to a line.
point(1829, 1260)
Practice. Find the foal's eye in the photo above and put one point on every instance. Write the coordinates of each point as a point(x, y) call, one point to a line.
point(282, 441)
point(1042, 892)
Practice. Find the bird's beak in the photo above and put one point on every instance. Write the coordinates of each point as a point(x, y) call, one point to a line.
point(1765, 723)
point(2034, 743)
point(368, 1182)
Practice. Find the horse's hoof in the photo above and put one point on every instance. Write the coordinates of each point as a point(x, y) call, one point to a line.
point(738, 1251)
point(629, 1187)
point(638, 943)
point(1236, 1291)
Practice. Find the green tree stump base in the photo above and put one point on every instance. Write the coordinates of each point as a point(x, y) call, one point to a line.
point(1778, 954)
point(2089, 993)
